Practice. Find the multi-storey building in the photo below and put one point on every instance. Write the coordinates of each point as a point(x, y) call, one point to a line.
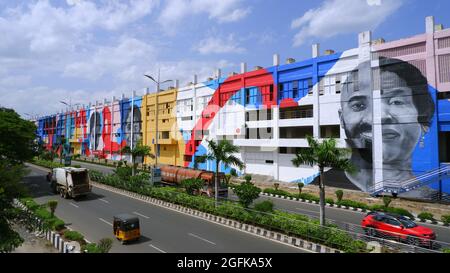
point(388, 102)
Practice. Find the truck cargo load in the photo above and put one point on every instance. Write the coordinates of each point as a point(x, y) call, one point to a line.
point(71, 182)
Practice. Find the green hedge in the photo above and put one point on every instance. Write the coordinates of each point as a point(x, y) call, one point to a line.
point(445, 219)
point(400, 211)
point(354, 204)
point(41, 211)
point(73, 236)
point(426, 216)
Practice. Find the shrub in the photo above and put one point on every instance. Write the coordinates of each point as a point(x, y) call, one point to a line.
point(355, 204)
point(124, 173)
point(192, 185)
point(58, 225)
point(247, 192)
point(276, 192)
point(264, 206)
point(425, 216)
point(446, 219)
point(329, 201)
point(248, 178)
point(339, 195)
point(52, 204)
point(73, 236)
point(90, 248)
point(387, 201)
point(233, 172)
point(446, 250)
point(300, 187)
point(76, 166)
point(399, 211)
point(276, 186)
point(104, 245)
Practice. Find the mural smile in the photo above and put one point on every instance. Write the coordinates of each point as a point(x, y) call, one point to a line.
point(390, 134)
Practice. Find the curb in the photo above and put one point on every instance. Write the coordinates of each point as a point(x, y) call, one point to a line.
point(437, 223)
point(57, 241)
point(275, 236)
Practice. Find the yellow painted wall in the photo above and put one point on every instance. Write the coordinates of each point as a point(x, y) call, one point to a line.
point(171, 144)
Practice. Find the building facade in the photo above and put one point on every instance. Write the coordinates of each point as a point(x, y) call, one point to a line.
point(387, 102)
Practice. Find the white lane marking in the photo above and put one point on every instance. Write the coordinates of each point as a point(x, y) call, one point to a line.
point(104, 221)
point(137, 213)
point(198, 237)
point(162, 251)
point(307, 211)
point(74, 205)
point(103, 200)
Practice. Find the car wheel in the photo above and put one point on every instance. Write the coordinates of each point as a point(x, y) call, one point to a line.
point(371, 232)
point(413, 241)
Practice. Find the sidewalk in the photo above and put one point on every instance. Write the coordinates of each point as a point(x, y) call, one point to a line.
point(32, 243)
point(414, 207)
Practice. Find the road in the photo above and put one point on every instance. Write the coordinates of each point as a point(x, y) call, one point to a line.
point(162, 230)
point(346, 219)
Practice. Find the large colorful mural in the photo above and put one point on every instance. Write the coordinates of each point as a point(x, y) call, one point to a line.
point(382, 102)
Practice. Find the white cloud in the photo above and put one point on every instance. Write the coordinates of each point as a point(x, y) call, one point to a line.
point(114, 61)
point(336, 17)
point(218, 45)
point(223, 11)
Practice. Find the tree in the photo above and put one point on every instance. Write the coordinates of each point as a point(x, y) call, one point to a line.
point(199, 159)
point(138, 151)
point(300, 187)
point(323, 154)
point(52, 204)
point(223, 152)
point(193, 184)
point(247, 193)
point(17, 145)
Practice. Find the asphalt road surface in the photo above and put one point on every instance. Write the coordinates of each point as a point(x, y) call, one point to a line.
point(346, 219)
point(162, 230)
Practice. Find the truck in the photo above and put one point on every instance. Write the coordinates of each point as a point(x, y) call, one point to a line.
point(70, 182)
point(174, 175)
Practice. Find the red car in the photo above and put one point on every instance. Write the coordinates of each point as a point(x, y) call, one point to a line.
point(398, 227)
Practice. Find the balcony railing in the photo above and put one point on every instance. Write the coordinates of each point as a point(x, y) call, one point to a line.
point(293, 114)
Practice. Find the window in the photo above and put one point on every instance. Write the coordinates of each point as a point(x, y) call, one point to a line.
point(295, 89)
point(321, 86)
point(330, 131)
point(252, 96)
point(269, 161)
point(186, 118)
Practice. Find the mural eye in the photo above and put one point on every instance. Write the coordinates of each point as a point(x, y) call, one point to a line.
point(358, 106)
point(396, 102)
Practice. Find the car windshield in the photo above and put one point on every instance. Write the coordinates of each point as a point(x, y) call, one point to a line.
point(407, 223)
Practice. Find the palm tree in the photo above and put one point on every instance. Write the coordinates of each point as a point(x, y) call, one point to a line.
point(323, 155)
point(222, 152)
point(139, 150)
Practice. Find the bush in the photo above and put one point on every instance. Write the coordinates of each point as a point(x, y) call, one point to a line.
point(192, 185)
point(329, 201)
point(124, 173)
point(248, 178)
point(104, 245)
point(276, 186)
point(425, 216)
point(73, 236)
point(90, 248)
point(233, 172)
point(399, 211)
point(339, 195)
point(276, 192)
point(52, 204)
point(300, 186)
point(58, 225)
point(355, 204)
point(445, 219)
point(446, 250)
point(387, 201)
point(264, 206)
point(247, 192)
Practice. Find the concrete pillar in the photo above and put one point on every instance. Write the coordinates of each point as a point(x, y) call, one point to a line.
point(429, 24)
point(276, 59)
point(218, 73)
point(315, 50)
point(243, 68)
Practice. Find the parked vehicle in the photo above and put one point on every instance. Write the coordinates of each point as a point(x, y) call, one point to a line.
point(70, 182)
point(174, 175)
point(397, 227)
point(126, 228)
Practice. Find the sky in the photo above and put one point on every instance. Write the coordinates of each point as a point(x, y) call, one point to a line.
point(80, 51)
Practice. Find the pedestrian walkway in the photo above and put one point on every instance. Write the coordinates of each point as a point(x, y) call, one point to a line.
point(32, 242)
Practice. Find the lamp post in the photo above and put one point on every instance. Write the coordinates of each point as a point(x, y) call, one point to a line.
point(158, 83)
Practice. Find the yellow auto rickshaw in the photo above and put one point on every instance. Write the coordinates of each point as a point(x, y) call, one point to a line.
point(126, 228)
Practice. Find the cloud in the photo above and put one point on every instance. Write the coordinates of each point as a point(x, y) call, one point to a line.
point(336, 17)
point(223, 11)
point(112, 61)
point(216, 45)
